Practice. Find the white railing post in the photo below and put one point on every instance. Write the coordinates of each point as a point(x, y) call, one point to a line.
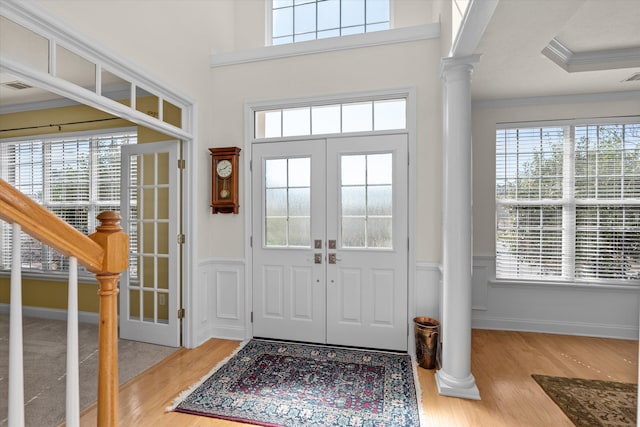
point(16, 370)
point(73, 375)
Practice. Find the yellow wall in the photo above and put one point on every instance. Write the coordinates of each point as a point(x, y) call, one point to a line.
point(53, 294)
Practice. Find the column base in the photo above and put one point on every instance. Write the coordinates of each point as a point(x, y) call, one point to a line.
point(464, 388)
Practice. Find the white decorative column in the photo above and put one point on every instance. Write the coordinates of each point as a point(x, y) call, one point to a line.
point(455, 377)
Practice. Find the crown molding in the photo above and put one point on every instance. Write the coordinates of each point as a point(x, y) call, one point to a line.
point(378, 38)
point(595, 60)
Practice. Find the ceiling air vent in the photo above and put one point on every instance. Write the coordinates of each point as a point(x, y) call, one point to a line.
point(17, 85)
point(634, 78)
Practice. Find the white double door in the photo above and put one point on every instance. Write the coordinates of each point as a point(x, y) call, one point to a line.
point(330, 241)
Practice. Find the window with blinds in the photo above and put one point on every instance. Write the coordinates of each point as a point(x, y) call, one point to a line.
point(76, 176)
point(568, 202)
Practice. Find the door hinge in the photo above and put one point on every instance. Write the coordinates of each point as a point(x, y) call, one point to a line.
point(181, 313)
point(182, 164)
point(252, 317)
point(181, 239)
point(250, 241)
point(250, 165)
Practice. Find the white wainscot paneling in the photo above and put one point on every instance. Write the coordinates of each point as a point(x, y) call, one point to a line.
point(573, 309)
point(221, 300)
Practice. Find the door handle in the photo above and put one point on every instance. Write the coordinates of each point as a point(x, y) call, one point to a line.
point(333, 259)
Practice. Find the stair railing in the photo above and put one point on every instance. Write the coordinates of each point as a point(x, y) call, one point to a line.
point(104, 253)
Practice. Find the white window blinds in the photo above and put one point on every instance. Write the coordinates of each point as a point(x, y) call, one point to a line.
point(76, 176)
point(568, 202)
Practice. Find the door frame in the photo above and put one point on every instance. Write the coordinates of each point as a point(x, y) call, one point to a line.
point(411, 123)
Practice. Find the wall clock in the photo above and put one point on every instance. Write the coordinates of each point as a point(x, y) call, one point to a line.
point(224, 179)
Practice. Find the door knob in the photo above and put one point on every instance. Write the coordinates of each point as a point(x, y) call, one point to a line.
point(333, 259)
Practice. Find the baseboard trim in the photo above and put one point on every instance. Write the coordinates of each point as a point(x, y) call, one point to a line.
point(555, 327)
point(53, 313)
point(236, 334)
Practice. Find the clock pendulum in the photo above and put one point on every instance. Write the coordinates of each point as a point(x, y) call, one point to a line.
point(225, 193)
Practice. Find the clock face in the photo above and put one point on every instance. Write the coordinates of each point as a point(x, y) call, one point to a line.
point(224, 168)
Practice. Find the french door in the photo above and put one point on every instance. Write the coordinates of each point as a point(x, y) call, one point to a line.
point(149, 208)
point(330, 241)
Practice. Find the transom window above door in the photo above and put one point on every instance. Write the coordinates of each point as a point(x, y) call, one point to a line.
point(295, 21)
point(362, 116)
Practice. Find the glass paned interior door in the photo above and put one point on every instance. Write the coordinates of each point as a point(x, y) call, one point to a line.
point(149, 289)
point(149, 253)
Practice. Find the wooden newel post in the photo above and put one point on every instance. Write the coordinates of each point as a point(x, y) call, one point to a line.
point(115, 243)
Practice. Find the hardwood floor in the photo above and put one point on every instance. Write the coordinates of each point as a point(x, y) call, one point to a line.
point(502, 364)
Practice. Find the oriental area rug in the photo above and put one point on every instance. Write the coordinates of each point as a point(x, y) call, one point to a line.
point(592, 402)
point(272, 383)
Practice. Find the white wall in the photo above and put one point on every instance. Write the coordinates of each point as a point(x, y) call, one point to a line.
point(173, 41)
point(582, 309)
point(405, 65)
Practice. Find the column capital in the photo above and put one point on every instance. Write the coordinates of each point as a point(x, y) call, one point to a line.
point(457, 64)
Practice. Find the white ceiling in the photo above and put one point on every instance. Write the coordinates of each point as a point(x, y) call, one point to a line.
point(512, 64)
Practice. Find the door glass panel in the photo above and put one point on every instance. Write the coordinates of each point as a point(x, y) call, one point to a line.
point(300, 172)
point(379, 200)
point(276, 202)
point(366, 188)
point(299, 202)
point(162, 238)
point(379, 232)
point(162, 207)
point(288, 202)
point(147, 237)
point(276, 231)
point(353, 232)
point(379, 169)
point(163, 311)
point(148, 305)
point(354, 201)
point(162, 168)
point(353, 170)
point(162, 264)
point(134, 303)
point(276, 173)
point(299, 231)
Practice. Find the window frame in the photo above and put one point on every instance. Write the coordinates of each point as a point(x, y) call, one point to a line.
point(568, 202)
point(269, 26)
point(260, 132)
point(92, 204)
